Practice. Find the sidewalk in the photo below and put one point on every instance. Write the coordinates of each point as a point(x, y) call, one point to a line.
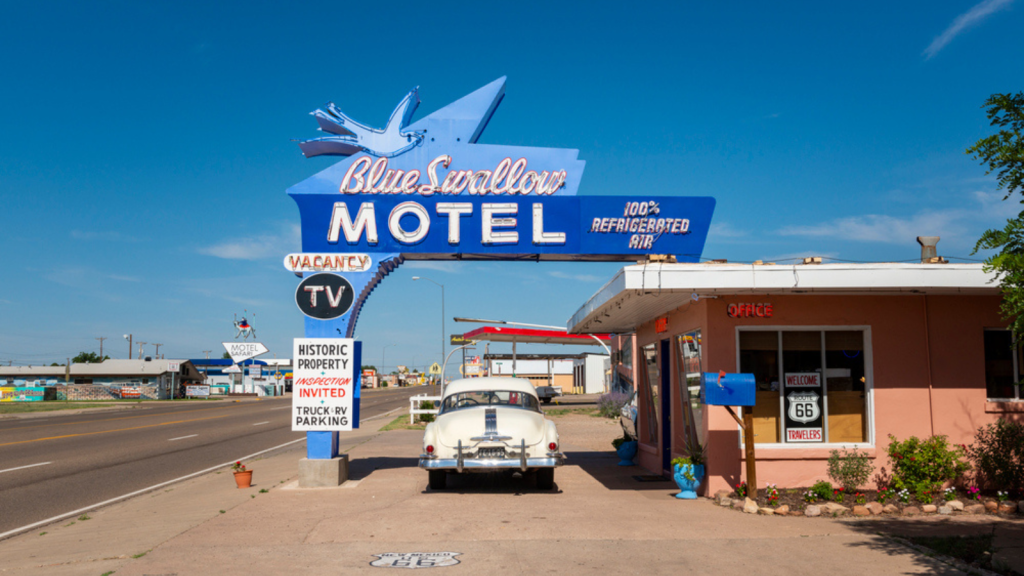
point(599, 519)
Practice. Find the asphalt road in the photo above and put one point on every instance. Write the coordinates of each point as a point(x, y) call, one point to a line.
point(59, 463)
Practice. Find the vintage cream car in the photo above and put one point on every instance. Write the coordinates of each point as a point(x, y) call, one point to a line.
point(490, 424)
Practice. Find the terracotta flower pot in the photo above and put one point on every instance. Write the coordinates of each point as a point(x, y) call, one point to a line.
point(243, 479)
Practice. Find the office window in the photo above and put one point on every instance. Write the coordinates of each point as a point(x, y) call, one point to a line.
point(811, 385)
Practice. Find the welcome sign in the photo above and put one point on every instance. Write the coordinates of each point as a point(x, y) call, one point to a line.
point(428, 190)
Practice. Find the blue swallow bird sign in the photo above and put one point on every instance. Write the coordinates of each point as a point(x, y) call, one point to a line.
point(428, 190)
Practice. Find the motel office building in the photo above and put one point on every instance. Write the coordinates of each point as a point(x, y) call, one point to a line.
point(843, 356)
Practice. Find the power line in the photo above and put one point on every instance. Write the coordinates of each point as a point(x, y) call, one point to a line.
point(101, 339)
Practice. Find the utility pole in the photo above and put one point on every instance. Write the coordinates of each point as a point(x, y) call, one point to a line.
point(141, 344)
point(128, 337)
point(207, 352)
point(101, 346)
point(157, 353)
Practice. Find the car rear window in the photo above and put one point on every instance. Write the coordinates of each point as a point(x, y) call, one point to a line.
point(490, 398)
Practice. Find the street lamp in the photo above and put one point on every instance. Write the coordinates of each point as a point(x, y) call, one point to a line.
point(442, 310)
point(384, 349)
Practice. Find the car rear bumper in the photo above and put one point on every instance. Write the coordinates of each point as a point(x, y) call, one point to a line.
point(491, 464)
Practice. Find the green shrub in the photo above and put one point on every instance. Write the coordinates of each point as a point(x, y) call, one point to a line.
point(850, 470)
point(921, 466)
point(620, 441)
point(428, 405)
point(822, 490)
point(998, 455)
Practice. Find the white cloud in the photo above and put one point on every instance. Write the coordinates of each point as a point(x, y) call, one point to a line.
point(964, 21)
point(258, 247)
point(725, 230)
point(579, 277)
point(450, 267)
point(959, 225)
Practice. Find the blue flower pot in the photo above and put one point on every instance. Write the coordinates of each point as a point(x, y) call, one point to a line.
point(688, 488)
point(626, 452)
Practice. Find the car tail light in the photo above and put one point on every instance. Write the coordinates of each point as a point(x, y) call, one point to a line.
point(552, 446)
point(430, 449)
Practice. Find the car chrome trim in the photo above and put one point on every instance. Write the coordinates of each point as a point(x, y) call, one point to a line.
point(471, 464)
point(459, 462)
point(522, 455)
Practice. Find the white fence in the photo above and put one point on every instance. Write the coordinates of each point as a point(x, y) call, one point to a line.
point(416, 401)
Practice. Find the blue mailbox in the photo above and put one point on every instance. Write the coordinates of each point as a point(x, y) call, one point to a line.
point(721, 389)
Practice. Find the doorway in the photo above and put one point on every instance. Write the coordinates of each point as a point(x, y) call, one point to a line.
point(665, 374)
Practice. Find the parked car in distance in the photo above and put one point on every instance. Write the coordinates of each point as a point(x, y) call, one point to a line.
point(547, 393)
point(488, 424)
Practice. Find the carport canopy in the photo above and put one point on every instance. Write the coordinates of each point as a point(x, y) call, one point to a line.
point(535, 336)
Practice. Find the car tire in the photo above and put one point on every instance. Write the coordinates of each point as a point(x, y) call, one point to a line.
point(438, 479)
point(547, 400)
point(545, 478)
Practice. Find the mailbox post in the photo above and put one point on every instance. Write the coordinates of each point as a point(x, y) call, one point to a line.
point(730, 390)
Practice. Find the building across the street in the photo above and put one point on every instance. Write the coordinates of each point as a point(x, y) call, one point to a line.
point(843, 355)
point(261, 377)
point(146, 378)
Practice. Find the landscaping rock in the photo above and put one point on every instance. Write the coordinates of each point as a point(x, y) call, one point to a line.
point(991, 506)
point(974, 509)
point(794, 513)
point(723, 494)
point(749, 506)
point(725, 502)
point(766, 511)
point(945, 510)
point(875, 508)
point(738, 504)
point(782, 510)
point(1007, 507)
point(929, 508)
point(911, 511)
point(834, 509)
point(890, 509)
point(812, 511)
point(956, 505)
point(861, 511)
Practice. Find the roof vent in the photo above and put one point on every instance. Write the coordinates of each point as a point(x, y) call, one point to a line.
point(929, 254)
point(149, 358)
point(812, 260)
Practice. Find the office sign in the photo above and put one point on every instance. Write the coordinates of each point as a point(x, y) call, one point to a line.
point(428, 190)
point(325, 386)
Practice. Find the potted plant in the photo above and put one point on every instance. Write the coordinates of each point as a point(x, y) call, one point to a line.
point(243, 477)
point(688, 471)
point(626, 449)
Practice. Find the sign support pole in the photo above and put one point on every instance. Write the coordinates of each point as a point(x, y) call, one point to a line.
point(747, 423)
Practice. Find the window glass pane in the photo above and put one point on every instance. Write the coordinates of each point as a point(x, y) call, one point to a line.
point(759, 355)
point(845, 384)
point(804, 416)
point(689, 378)
point(999, 364)
point(653, 401)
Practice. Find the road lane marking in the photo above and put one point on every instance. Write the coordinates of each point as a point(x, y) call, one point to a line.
point(122, 418)
point(143, 491)
point(108, 431)
point(261, 423)
point(183, 437)
point(281, 408)
point(23, 467)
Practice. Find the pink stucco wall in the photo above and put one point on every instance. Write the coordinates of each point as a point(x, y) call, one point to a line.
point(927, 375)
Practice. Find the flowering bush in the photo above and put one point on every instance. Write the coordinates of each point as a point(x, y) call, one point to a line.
point(859, 498)
point(974, 493)
point(949, 494)
point(772, 493)
point(610, 405)
point(742, 490)
point(837, 495)
point(923, 465)
point(903, 496)
point(1001, 496)
point(884, 494)
point(238, 467)
point(849, 470)
point(810, 497)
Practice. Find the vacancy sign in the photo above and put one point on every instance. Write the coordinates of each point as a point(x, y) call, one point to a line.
point(241, 351)
point(324, 384)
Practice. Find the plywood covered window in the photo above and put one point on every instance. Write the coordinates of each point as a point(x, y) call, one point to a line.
point(1002, 366)
point(812, 385)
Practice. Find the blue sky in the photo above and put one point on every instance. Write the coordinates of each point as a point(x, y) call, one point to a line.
point(145, 148)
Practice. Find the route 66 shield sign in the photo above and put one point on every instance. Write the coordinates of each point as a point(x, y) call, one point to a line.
point(415, 559)
point(803, 407)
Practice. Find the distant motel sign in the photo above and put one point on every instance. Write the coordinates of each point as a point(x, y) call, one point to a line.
point(427, 190)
